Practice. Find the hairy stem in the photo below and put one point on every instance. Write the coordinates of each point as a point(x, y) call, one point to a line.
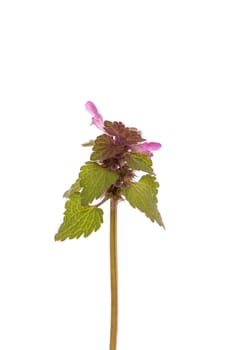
point(113, 273)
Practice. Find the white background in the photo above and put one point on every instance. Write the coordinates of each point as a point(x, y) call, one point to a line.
point(164, 67)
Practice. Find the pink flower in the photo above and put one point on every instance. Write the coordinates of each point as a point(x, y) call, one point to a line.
point(146, 148)
point(97, 118)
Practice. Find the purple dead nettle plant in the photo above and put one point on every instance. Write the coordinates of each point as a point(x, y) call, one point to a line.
point(111, 174)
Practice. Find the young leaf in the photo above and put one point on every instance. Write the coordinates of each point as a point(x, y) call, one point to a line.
point(104, 148)
point(119, 130)
point(79, 220)
point(139, 161)
point(73, 189)
point(95, 181)
point(142, 195)
point(89, 143)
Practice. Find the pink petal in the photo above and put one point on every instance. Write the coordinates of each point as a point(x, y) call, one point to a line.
point(97, 118)
point(91, 108)
point(147, 147)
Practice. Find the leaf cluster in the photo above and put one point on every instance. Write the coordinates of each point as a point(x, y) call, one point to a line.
point(97, 180)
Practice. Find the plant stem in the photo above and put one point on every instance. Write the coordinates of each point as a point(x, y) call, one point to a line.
point(113, 273)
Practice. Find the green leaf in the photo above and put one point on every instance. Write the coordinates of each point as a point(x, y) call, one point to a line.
point(95, 181)
point(139, 161)
point(79, 220)
point(104, 148)
point(73, 189)
point(142, 195)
